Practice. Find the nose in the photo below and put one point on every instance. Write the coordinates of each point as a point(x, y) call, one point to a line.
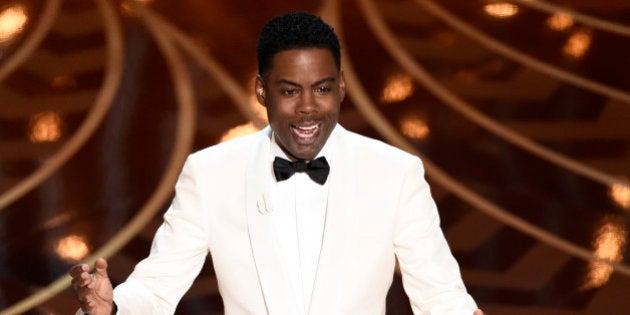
point(308, 104)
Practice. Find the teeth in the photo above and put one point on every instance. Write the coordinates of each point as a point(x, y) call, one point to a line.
point(307, 127)
point(305, 132)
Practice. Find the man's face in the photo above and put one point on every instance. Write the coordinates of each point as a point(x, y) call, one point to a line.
point(303, 93)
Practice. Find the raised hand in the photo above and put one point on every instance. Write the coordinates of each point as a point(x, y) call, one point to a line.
point(93, 289)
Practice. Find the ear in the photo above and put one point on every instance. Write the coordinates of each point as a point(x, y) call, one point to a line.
point(259, 88)
point(342, 86)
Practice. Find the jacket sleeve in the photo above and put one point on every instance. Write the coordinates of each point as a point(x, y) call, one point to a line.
point(177, 254)
point(431, 276)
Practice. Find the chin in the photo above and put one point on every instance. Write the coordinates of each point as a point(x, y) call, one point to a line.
point(309, 155)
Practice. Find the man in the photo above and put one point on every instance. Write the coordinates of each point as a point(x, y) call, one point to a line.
point(303, 217)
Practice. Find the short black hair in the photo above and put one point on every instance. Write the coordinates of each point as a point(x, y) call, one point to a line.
point(295, 30)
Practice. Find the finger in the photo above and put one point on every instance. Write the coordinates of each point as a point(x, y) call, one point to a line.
point(100, 268)
point(81, 280)
point(76, 270)
point(91, 283)
point(76, 283)
point(84, 280)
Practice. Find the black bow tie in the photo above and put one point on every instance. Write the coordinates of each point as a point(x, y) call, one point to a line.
point(316, 169)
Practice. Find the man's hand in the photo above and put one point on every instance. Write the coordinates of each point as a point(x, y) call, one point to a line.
point(478, 312)
point(94, 290)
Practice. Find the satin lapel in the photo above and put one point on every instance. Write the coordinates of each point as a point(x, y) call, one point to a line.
point(332, 269)
point(274, 283)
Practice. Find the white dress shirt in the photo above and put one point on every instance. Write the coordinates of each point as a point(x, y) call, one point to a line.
point(299, 214)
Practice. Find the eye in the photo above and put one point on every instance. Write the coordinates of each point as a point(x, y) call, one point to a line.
point(290, 92)
point(323, 90)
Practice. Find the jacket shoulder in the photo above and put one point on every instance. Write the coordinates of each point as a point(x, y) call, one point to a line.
point(378, 151)
point(233, 150)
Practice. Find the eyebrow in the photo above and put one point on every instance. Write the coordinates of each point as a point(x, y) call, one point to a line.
point(322, 81)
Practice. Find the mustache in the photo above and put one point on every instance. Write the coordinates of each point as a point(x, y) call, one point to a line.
point(307, 119)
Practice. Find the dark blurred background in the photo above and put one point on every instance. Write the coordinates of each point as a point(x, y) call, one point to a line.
point(520, 110)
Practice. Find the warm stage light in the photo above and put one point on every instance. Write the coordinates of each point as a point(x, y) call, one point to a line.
point(560, 21)
point(578, 44)
point(45, 127)
point(501, 10)
point(72, 248)
point(63, 82)
point(609, 242)
point(12, 21)
point(414, 127)
point(398, 87)
point(620, 193)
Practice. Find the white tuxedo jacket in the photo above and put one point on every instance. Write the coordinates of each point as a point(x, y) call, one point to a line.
point(379, 208)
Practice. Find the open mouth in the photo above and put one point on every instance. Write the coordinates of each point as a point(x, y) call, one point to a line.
point(305, 134)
